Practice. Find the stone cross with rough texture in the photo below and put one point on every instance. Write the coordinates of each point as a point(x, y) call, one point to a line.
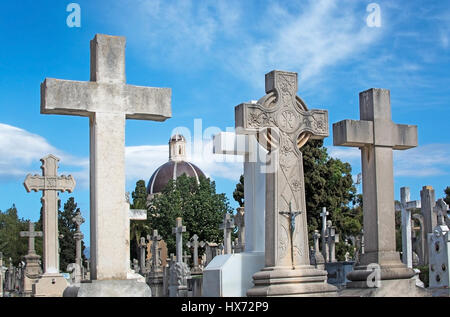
point(239, 221)
point(194, 243)
point(142, 247)
point(441, 210)
point(316, 237)
point(79, 236)
point(377, 136)
point(178, 231)
point(31, 234)
point(186, 257)
point(283, 124)
point(155, 248)
point(227, 226)
point(107, 101)
point(50, 183)
point(324, 215)
point(332, 238)
point(428, 201)
point(405, 206)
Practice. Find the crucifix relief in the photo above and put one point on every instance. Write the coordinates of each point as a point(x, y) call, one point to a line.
point(377, 136)
point(283, 124)
point(291, 216)
point(107, 101)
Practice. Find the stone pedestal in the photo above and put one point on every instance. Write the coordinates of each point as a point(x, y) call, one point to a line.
point(387, 288)
point(156, 282)
point(50, 285)
point(109, 288)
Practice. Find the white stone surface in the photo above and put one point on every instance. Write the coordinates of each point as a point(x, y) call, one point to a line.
point(107, 101)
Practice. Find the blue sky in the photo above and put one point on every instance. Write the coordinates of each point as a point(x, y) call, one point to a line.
point(214, 54)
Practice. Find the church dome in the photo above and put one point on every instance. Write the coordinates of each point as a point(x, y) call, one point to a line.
point(176, 167)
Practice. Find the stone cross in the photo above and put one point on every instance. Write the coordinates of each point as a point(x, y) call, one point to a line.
point(50, 183)
point(405, 206)
point(316, 237)
point(441, 210)
point(194, 243)
point(283, 124)
point(227, 226)
point(107, 101)
point(155, 250)
point(254, 184)
point(31, 234)
point(291, 215)
point(324, 215)
point(142, 247)
point(79, 236)
point(178, 231)
point(377, 136)
point(332, 238)
point(239, 221)
point(186, 257)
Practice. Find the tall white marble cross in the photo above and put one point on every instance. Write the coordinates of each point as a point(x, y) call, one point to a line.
point(376, 136)
point(254, 183)
point(31, 234)
point(324, 215)
point(283, 124)
point(227, 226)
point(108, 101)
point(405, 206)
point(178, 231)
point(50, 183)
point(79, 236)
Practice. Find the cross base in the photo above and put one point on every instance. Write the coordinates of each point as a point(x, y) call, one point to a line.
point(302, 281)
point(109, 288)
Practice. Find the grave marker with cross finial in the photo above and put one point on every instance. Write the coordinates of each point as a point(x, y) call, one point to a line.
point(107, 101)
point(79, 236)
point(156, 238)
point(178, 231)
point(283, 124)
point(377, 136)
point(324, 215)
point(50, 183)
point(142, 247)
point(405, 206)
point(31, 234)
point(186, 257)
point(227, 226)
point(194, 243)
point(441, 210)
point(332, 238)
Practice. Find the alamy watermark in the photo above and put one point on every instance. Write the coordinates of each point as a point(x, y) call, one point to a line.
point(74, 18)
point(373, 20)
point(374, 278)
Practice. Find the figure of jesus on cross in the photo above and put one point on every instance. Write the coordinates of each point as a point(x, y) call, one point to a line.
point(291, 215)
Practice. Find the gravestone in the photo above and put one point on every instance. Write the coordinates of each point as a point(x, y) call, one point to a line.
point(439, 257)
point(428, 201)
point(78, 220)
point(239, 222)
point(317, 259)
point(156, 275)
point(51, 283)
point(179, 271)
point(283, 124)
point(420, 238)
point(142, 247)
point(194, 243)
point(108, 101)
point(405, 206)
point(227, 226)
point(231, 275)
point(32, 269)
point(324, 215)
point(332, 239)
point(377, 136)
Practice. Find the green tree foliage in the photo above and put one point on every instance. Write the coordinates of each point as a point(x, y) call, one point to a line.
point(11, 244)
point(238, 193)
point(67, 228)
point(199, 205)
point(138, 228)
point(447, 195)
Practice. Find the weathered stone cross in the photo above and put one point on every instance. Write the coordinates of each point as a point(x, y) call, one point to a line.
point(108, 101)
point(227, 226)
point(324, 215)
point(142, 247)
point(194, 243)
point(79, 236)
point(441, 209)
point(178, 231)
point(50, 183)
point(283, 124)
point(155, 248)
point(376, 136)
point(405, 206)
point(332, 238)
point(31, 234)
